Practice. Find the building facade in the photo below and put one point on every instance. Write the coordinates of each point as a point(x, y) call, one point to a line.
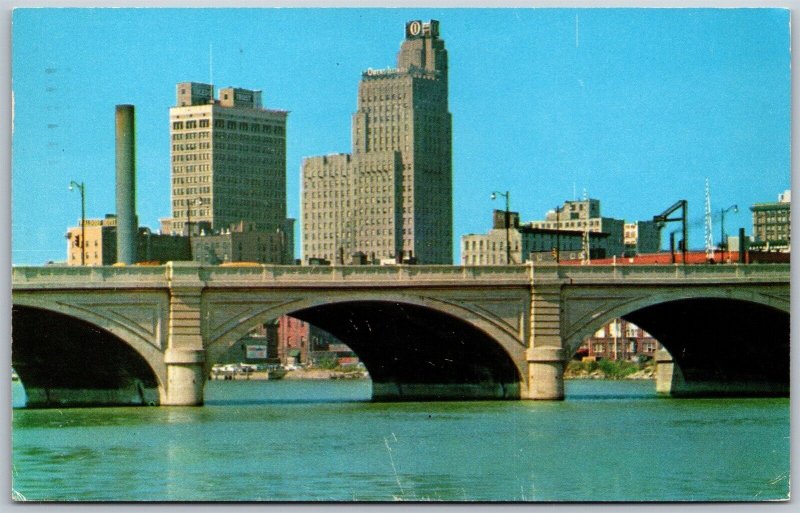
point(772, 223)
point(100, 245)
point(391, 198)
point(228, 160)
point(301, 343)
point(619, 340)
point(527, 243)
point(642, 237)
point(243, 243)
point(584, 215)
point(565, 234)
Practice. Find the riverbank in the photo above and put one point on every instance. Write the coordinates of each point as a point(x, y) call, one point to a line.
point(603, 369)
point(609, 369)
point(326, 374)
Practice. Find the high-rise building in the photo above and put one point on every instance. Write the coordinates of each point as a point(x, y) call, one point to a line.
point(228, 160)
point(392, 197)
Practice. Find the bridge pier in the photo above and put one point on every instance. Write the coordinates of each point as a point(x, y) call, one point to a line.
point(546, 373)
point(185, 378)
point(668, 374)
point(545, 355)
point(185, 354)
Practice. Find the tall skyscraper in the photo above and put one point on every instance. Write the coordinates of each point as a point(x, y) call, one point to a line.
point(392, 198)
point(228, 160)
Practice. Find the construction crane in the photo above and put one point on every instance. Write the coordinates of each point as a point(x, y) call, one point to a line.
point(661, 219)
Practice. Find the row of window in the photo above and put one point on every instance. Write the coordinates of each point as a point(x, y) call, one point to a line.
point(243, 126)
point(191, 157)
point(193, 168)
point(191, 146)
point(191, 179)
point(191, 135)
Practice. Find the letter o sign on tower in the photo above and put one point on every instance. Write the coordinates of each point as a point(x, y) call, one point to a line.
point(414, 28)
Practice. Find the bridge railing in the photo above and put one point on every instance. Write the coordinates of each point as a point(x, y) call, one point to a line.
point(268, 274)
point(665, 273)
point(87, 277)
point(53, 277)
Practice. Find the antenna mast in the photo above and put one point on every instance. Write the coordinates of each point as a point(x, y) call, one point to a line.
point(709, 238)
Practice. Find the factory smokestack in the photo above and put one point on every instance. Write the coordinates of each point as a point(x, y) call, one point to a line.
point(127, 225)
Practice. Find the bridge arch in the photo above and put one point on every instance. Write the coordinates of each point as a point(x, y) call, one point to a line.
point(720, 342)
point(392, 316)
point(603, 309)
point(41, 331)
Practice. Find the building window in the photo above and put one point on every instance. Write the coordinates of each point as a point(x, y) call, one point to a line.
point(177, 125)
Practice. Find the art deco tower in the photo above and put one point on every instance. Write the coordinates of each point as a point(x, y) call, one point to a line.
point(392, 197)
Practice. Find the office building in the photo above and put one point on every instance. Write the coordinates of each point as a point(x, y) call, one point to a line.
point(228, 160)
point(772, 223)
point(391, 198)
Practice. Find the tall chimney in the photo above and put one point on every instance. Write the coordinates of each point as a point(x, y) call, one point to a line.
point(126, 185)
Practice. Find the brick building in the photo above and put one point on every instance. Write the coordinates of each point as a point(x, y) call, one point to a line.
point(619, 340)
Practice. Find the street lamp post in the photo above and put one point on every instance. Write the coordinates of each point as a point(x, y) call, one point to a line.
point(723, 243)
point(80, 186)
point(507, 196)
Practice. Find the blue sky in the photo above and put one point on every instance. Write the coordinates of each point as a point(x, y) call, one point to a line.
point(637, 107)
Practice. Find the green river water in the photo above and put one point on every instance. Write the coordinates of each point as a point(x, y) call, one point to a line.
point(324, 441)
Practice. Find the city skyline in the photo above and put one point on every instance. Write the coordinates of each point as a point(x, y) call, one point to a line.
point(636, 107)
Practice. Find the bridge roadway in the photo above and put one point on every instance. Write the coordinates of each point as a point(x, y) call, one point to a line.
point(149, 335)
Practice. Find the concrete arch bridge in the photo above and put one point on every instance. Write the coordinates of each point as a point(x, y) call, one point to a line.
point(149, 335)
